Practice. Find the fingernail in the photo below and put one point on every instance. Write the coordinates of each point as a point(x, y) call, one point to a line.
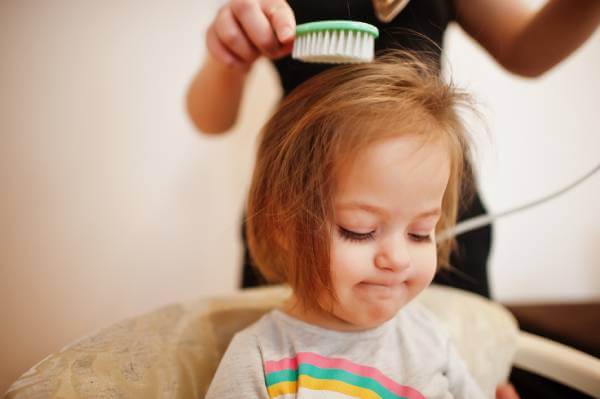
point(285, 34)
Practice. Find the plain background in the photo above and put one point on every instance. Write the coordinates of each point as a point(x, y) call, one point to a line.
point(112, 204)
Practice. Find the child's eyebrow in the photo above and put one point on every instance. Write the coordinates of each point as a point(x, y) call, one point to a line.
point(431, 213)
point(381, 211)
point(363, 206)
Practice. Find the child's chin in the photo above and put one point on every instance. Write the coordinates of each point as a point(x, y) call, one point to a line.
point(377, 317)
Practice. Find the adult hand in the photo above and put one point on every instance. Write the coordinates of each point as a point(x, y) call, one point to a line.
point(506, 391)
point(243, 30)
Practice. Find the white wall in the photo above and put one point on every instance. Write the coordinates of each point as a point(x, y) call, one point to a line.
point(542, 134)
point(112, 204)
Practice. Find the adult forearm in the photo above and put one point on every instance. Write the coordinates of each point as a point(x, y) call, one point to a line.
point(214, 96)
point(552, 34)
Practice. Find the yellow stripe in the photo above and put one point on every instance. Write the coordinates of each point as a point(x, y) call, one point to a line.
point(336, 386)
point(287, 387)
point(281, 388)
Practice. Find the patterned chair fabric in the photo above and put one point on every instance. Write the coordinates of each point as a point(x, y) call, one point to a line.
point(173, 352)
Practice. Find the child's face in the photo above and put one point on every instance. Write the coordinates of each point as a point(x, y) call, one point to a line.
point(383, 251)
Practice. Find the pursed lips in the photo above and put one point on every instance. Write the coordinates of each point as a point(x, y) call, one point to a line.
point(385, 284)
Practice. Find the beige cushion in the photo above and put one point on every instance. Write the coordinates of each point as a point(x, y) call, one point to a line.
point(173, 352)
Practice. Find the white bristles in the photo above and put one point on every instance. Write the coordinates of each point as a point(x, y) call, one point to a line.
point(334, 47)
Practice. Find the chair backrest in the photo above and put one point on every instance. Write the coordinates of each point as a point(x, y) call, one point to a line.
point(174, 351)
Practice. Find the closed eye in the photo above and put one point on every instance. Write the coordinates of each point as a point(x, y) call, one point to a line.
point(420, 238)
point(354, 236)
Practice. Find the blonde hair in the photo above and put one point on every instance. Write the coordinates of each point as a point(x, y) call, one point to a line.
point(323, 124)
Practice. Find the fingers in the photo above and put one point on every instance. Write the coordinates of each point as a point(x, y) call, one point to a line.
point(219, 51)
point(282, 19)
point(256, 25)
point(506, 391)
point(245, 29)
point(284, 50)
point(230, 33)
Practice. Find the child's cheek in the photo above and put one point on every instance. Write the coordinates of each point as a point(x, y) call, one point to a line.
point(351, 261)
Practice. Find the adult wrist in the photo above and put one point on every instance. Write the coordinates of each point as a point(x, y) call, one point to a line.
point(225, 70)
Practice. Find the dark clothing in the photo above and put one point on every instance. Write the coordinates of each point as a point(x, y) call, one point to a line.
point(419, 27)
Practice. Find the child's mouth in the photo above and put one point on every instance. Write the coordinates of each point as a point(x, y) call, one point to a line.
point(382, 286)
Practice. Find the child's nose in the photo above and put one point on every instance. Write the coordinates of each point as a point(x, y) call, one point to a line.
point(393, 254)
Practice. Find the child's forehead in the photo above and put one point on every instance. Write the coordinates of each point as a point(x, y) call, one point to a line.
point(413, 166)
point(385, 145)
point(398, 152)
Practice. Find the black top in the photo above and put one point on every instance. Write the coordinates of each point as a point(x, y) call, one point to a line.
point(420, 26)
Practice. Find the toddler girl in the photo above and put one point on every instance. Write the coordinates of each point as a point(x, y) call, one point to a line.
point(356, 172)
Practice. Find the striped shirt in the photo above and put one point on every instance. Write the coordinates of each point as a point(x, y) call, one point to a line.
point(281, 357)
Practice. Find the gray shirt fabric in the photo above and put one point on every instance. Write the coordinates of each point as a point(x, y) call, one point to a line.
point(409, 356)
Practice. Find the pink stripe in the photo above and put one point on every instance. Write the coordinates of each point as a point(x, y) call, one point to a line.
point(343, 364)
point(290, 363)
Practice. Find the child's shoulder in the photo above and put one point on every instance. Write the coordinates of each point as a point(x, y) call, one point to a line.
point(261, 326)
point(267, 327)
point(249, 339)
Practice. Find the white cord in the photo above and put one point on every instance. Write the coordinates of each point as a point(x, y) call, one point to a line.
point(483, 220)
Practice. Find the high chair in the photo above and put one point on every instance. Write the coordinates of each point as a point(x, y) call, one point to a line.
point(173, 352)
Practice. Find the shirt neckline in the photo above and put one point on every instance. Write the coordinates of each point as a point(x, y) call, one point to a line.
point(374, 332)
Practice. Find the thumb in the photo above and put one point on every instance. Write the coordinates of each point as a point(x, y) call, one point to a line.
point(282, 19)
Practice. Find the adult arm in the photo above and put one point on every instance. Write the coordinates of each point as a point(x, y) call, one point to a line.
point(524, 41)
point(214, 96)
point(242, 31)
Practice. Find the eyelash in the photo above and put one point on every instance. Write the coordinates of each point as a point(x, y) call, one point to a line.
point(362, 237)
point(419, 238)
point(354, 236)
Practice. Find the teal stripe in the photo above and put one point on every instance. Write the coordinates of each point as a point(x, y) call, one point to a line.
point(331, 374)
point(281, 376)
point(349, 378)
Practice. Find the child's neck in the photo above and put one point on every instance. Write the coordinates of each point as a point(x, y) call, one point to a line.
point(320, 318)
